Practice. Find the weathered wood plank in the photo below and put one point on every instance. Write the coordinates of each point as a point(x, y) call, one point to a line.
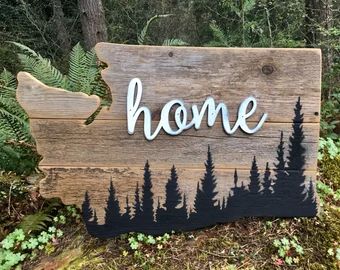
point(227, 74)
point(70, 184)
point(107, 144)
point(42, 101)
point(191, 74)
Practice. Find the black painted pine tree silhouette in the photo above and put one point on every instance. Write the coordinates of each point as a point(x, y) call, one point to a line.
point(95, 218)
point(254, 196)
point(183, 213)
point(310, 204)
point(280, 187)
point(112, 210)
point(199, 201)
point(87, 211)
point(237, 204)
point(205, 201)
point(296, 159)
point(172, 193)
point(137, 208)
point(147, 197)
point(255, 184)
point(267, 182)
point(126, 217)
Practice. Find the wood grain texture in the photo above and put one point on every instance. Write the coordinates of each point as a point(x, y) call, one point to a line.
point(107, 144)
point(42, 101)
point(227, 74)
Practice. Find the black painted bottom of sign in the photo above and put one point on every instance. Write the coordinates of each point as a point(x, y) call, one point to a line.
point(287, 194)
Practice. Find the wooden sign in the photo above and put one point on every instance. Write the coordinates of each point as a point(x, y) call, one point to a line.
point(194, 137)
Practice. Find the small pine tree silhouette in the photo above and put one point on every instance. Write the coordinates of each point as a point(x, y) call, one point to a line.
point(184, 210)
point(199, 199)
point(254, 185)
point(87, 211)
point(280, 185)
point(310, 205)
point(112, 210)
point(172, 193)
point(95, 218)
point(126, 217)
point(147, 197)
point(267, 182)
point(237, 203)
point(137, 206)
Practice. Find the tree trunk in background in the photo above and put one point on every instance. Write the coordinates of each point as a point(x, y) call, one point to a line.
point(62, 33)
point(326, 21)
point(92, 19)
point(311, 9)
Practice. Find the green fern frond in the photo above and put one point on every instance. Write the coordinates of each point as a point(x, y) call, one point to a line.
point(174, 42)
point(13, 127)
point(42, 69)
point(35, 222)
point(76, 68)
point(7, 79)
point(26, 50)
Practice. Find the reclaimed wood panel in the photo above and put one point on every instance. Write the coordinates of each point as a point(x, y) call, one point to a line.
point(275, 174)
point(69, 142)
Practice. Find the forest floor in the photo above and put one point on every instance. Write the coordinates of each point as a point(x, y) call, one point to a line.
point(297, 243)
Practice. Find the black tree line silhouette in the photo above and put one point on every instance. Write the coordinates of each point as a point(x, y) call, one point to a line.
point(284, 195)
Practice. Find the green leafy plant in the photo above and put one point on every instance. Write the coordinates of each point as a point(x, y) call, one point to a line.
point(24, 243)
point(136, 241)
point(83, 75)
point(17, 151)
point(289, 250)
point(329, 146)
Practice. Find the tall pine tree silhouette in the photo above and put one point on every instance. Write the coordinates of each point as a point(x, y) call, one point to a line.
point(112, 210)
point(296, 161)
point(147, 197)
point(205, 201)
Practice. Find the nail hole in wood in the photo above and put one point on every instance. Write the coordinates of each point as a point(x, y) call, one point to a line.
point(267, 69)
point(316, 113)
point(171, 54)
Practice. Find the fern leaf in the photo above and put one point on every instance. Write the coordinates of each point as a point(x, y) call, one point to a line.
point(35, 222)
point(25, 49)
point(7, 79)
point(174, 42)
point(76, 67)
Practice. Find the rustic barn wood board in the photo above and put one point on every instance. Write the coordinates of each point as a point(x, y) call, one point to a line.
point(79, 158)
